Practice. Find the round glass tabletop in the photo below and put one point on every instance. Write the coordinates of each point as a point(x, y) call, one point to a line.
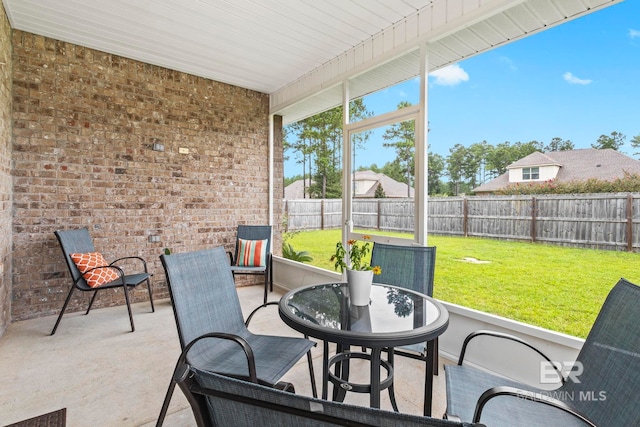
point(394, 316)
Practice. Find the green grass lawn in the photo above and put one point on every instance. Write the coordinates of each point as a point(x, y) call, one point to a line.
point(553, 287)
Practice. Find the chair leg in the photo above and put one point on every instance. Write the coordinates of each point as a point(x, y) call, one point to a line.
point(271, 274)
point(428, 378)
point(165, 403)
point(93, 298)
point(392, 394)
point(266, 286)
point(64, 307)
point(126, 297)
point(435, 357)
point(153, 309)
point(312, 374)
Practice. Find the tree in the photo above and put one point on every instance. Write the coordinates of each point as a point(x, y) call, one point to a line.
point(523, 149)
point(455, 165)
point(558, 144)
point(318, 143)
point(474, 167)
point(291, 179)
point(502, 155)
point(614, 141)
point(379, 194)
point(402, 139)
point(435, 168)
point(393, 170)
point(300, 147)
point(635, 143)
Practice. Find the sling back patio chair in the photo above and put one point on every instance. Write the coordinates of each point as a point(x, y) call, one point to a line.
point(205, 301)
point(252, 254)
point(409, 267)
point(97, 275)
point(220, 401)
point(602, 391)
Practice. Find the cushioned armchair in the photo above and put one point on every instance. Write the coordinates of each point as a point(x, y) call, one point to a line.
point(90, 272)
point(252, 254)
point(603, 391)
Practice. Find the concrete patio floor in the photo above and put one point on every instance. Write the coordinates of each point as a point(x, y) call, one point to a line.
point(107, 376)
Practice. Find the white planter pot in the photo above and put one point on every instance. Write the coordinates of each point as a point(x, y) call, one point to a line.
point(359, 284)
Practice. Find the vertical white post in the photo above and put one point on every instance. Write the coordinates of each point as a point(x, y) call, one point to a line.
point(270, 161)
point(421, 155)
point(347, 184)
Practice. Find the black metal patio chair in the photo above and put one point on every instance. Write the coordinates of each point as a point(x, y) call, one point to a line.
point(205, 301)
point(79, 243)
point(409, 267)
point(252, 255)
point(221, 401)
point(603, 391)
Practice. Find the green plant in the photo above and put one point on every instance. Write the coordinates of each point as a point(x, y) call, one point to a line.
point(286, 234)
point(289, 253)
point(357, 254)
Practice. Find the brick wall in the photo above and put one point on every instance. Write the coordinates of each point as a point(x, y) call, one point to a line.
point(84, 123)
point(5, 171)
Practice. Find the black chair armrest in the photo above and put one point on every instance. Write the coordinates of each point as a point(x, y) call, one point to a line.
point(246, 323)
point(144, 263)
point(231, 337)
point(528, 395)
point(509, 337)
point(231, 260)
point(182, 368)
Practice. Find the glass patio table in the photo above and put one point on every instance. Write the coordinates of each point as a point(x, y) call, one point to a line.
point(394, 317)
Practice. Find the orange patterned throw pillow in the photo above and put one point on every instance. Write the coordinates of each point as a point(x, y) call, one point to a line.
point(96, 277)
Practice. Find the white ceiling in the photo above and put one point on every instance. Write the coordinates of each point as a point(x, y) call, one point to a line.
point(294, 49)
point(256, 44)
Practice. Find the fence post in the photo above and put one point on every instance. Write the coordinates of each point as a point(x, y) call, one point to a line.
point(629, 223)
point(286, 215)
point(322, 214)
point(534, 216)
point(465, 216)
point(379, 220)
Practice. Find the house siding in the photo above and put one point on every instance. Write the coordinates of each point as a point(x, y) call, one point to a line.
point(546, 173)
point(84, 124)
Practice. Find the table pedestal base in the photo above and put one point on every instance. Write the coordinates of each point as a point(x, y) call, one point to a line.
point(341, 378)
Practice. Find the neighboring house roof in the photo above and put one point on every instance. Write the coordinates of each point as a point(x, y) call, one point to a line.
point(391, 187)
point(535, 159)
point(295, 190)
point(574, 165)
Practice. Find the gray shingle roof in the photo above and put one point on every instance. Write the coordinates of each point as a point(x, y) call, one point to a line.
point(575, 165)
point(391, 187)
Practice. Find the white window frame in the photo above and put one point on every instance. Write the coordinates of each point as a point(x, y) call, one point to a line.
point(417, 113)
point(530, 172)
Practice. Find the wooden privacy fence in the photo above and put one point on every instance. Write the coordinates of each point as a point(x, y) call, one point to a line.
point(603, 221)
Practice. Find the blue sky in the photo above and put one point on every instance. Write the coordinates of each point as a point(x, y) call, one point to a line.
point(575, 81)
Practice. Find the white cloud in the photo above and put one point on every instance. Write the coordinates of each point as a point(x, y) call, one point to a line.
point(634, 34)
point(450, 76)
point(506, 60)
point(571, 79)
